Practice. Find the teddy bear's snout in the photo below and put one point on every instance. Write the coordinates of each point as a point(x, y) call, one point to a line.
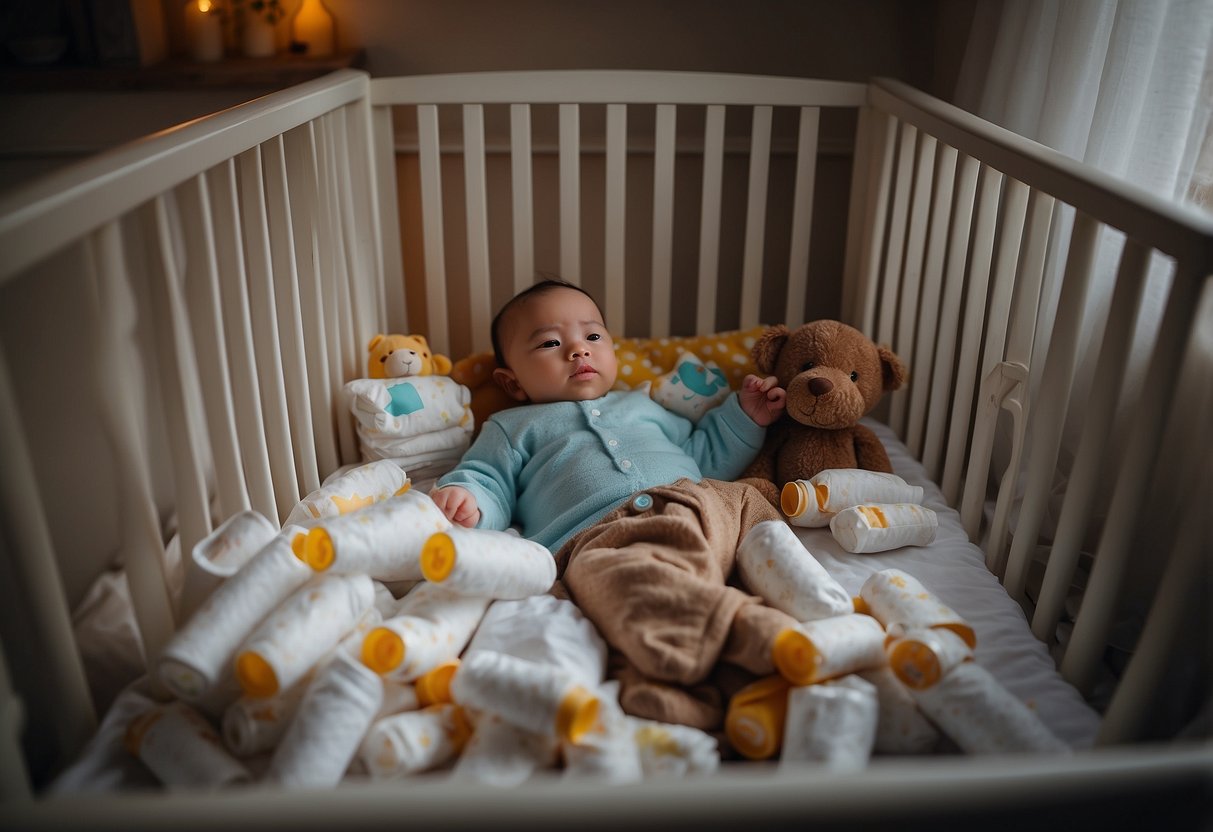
point(820, 386)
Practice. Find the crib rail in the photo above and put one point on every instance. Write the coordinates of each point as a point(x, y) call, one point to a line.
point(952, 265)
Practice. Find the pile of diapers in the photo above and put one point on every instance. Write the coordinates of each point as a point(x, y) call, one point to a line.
point(371, 638)
point(867, 511)
point(414, 420)
point(890, 671)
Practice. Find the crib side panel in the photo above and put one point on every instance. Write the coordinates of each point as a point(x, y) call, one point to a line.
point(1049, 385)
point(229, 281)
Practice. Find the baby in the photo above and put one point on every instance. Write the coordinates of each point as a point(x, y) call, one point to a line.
point(635, 501)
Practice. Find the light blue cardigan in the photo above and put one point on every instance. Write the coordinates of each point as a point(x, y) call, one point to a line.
point(556, 468)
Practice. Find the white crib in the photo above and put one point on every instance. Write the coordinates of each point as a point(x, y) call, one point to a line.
point(232, 270)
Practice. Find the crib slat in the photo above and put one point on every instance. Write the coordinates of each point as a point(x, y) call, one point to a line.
point(709, 219)
point(242, 360)
point(1133, 481)
point(875, 222)
point(524, 222)
point(895, 251)
point(476, 199)
point(911, 279)
point(1088, 469)
point(265, 333)
point(367, 230)
point(175, 357)
point(932, 290)
point(570, 193)
point(1049, 407)
point(616, 206)
point(202, 296)
point(663, 220)
point(391, 254)
point(994, 383)
point(861, 174)
point(32, 580)
point(802, 215)
point(989, 186)
point(945, 350)
point(358, 283)
point(1020, 336)
point(756, 217)
point(432, 231)
point(290, 325)
point(343, 357)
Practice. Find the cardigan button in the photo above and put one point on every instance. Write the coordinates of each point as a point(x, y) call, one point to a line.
point(642, 502)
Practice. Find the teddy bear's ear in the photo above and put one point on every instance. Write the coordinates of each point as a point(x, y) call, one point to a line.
point(892, 371)
point(375, 342)
point(767, 348)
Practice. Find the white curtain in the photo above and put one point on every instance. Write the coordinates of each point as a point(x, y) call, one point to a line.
point(1123, 85)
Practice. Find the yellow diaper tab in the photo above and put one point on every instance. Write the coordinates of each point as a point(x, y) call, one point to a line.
point(318, 550)
point(299, 545)
point(796, 657)
point(434, 687)
point(438, 557)
point(756, 717)
point(257, 678)
point(382, 650)
point(577, 714)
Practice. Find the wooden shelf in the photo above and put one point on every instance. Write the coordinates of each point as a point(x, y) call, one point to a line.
point(179, 74)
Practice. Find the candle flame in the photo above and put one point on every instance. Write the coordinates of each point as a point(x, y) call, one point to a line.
point(204, 6)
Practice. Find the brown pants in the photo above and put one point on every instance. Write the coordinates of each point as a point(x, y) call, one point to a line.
point(653, 576)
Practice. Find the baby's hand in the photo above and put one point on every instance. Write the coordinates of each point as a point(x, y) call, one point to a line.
point(762, 399)
point(457, 504)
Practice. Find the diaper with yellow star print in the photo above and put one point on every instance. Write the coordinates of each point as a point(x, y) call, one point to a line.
point(415, 418)
point(354, 489)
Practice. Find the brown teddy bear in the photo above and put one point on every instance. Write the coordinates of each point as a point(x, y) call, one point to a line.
point(397, 356)
point(833, 375)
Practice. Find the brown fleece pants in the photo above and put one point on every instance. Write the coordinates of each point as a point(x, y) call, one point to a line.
point(653, 576)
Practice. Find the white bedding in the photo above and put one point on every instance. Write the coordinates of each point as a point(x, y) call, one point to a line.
point(951, 567)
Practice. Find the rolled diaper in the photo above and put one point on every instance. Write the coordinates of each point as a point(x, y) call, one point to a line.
point(983, 717)
point(777, 567)
point(502, 754)
point(432, 627)
point(832, 723)
point(901, 728)
point(251, 725)
point(814, 501)
point(414, 741)
point(920, 658)
point(537, 698)
point(355, 489)
point(181, 748)
point(383, 540)
point(544, 629)
point(668, 750)
point(223, 553)
point(201, 652)
point(488, 563)
point(305, 627)
point(336, 711)
point(902, 604)
point(829, 647)
point(608, 752)
point(755, 720)
point(878, 527)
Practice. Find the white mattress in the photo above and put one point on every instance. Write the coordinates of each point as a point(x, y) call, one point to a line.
point(951, 567)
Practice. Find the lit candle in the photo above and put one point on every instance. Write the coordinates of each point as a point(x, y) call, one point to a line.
point(313, 27)
point(205, 30)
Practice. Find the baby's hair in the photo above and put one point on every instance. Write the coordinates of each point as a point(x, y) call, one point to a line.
point(539, 288)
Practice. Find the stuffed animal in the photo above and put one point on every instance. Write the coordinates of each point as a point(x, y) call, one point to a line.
point(833, 375)
point(397, 356)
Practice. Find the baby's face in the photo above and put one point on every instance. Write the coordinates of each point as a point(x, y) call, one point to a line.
point(557, 348)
